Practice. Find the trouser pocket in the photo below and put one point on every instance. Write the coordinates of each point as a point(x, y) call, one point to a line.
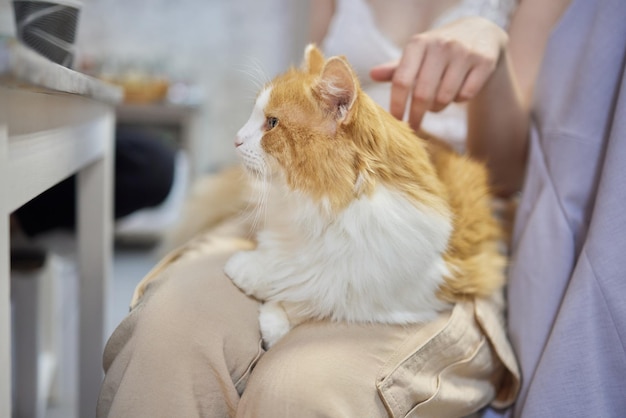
point(452, 374)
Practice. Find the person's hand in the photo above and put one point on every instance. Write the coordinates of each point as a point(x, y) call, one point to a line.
point(443, 65)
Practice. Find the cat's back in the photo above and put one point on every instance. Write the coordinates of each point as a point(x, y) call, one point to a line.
point(475, 243)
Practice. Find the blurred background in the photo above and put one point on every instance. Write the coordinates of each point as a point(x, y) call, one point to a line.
point(217, 48)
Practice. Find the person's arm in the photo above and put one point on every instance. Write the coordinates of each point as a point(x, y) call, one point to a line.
point(473, 60)
point(320, 15)
point(499, 115)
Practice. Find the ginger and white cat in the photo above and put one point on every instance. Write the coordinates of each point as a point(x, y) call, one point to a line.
point(363, 220)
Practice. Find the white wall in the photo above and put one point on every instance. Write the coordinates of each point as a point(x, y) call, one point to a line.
point(218, 43)
point(7, 22)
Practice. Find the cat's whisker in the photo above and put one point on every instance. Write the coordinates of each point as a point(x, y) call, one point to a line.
point(260, 71)
point(266, 193)
point(251, 211)
point(247, 212)
point(253, 82)
point(255, 73)
point(259, 186)
point(265, 176)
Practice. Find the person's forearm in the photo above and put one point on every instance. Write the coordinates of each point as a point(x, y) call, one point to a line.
point(320, 14)
point(499, 117)
point(498, 123)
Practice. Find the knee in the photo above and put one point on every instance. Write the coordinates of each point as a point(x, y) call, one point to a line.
point(282, 387)
point(308, 381)
point(192, 310)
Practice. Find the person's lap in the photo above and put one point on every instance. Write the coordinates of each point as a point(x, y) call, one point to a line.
point(191, 347)
point(191, 330)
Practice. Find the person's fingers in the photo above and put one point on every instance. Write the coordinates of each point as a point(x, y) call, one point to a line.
point(454, 77)
point(404, 77)
point(474, 82)
point(384, 72)
point(427, 82)
point(438, 67)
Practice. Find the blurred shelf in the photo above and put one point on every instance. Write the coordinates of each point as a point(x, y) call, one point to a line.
point(154, 113)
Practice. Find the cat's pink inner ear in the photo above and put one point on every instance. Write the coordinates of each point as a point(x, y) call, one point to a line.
point(338, 86)
point(313, 59)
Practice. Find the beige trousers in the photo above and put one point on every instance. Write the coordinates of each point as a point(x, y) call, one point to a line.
point(191, 348)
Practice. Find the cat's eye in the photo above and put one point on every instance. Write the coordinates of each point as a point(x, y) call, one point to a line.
point(271, 122)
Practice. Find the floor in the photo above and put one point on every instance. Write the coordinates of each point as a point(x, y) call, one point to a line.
point(130, 264)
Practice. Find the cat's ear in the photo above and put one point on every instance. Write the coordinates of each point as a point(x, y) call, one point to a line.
point(337, 88)
point(313, 59)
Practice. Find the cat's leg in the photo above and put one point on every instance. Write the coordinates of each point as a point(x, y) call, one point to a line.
point(273, 322)
point(248, 272)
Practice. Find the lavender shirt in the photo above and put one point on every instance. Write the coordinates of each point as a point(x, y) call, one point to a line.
point(567, 289)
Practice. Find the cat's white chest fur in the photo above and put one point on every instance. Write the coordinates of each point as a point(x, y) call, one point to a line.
point(380, 260)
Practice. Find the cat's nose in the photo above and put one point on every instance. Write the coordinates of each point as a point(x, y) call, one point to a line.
point(238, 141)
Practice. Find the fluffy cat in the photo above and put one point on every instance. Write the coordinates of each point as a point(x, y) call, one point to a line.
point(364, 221)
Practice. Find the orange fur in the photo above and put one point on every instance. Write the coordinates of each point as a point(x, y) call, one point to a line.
point(335, 143)
point(473, 250)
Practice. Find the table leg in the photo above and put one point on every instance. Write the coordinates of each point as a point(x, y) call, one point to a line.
point(26, 333)
point(5, 284)
point(95, 207)
point(5, 317)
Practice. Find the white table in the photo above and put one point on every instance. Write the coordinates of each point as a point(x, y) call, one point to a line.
point(55, 122)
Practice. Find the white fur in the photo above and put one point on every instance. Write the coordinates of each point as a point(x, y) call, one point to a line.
point(251, 133)
point(379, 260)
point(273, 322)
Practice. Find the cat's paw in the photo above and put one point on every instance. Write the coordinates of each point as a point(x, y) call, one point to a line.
point(273, 322)
point(243, 270)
